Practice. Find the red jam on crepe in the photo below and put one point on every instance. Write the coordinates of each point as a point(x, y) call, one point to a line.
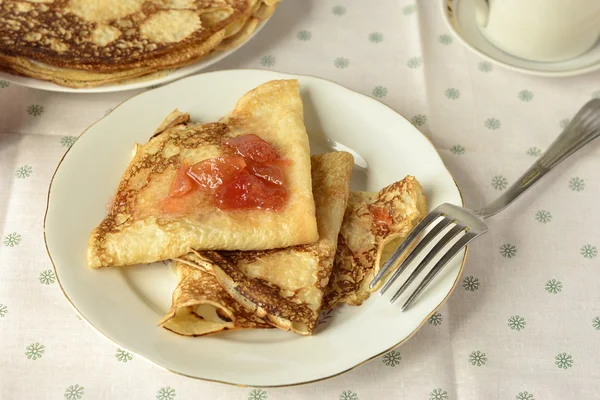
point(251, 179)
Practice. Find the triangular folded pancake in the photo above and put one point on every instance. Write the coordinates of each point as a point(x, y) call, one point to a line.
point(139, 230)
point(284, 286)
point(373, 222)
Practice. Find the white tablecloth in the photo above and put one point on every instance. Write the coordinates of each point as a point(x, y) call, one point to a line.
point(523, 324)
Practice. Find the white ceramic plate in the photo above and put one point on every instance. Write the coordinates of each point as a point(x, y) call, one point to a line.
point(136, 84)
point(459, 16)
point(124, 304)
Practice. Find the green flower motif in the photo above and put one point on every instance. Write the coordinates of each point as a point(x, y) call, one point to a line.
point(418, 120)
point(445, 39)
point(341, 62)
point(563, 360)
point(67, 141)
point(492, 124)
point(3, 310)
point(267, 61)
point(457, 149)
point(577, 184)
point(508, 250)
point(4, 84)
point(338, 10)
point(477, 358)
point(553, 286)
point(379, 91)
point(392, 358)
point(435, 319)
point(588, 251)
point(304, 35)
point(123, 355)
point(596, 94)
point(516, 323)
point(499, 182)
point(35, 110)
point(375, 37)
point(47, 277)
point(564, 122)
point(595, 321)
point(348, 395)
point(24, 171)
point(409, 9)
point(534, 152)
point(414, 62)
point(525, 396)
point(34, 351)
point(543, 216)
point(438, 394)
point(485, 66)
point(74, 392)
point(525, 95)
point(470, 283)
point(12, 239)
point(165, 393)
point(257, 394)
point(452, 93)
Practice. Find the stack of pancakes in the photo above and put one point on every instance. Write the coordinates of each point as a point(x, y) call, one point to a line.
point(86, 43)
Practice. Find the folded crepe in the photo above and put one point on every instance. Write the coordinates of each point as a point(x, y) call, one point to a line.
point(282, 287)
point(374, 223)
point(139, 228)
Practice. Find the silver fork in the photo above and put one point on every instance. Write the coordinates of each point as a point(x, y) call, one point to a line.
point(584, 128)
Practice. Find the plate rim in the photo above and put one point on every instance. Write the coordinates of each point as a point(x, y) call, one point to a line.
point(98, 331)
point(450, 19)
point(40, 84)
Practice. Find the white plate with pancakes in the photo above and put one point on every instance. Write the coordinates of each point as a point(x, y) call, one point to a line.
point(124, 304)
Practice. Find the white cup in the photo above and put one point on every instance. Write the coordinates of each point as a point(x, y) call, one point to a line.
point(540, 30)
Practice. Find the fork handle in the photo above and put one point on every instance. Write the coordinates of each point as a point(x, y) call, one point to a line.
point(584, 128)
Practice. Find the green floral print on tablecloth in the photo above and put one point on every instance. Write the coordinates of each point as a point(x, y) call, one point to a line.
point(392, 358)
point(304, 36)
point(338, 10)
point(3, 310)
point(74, 392)
point(35, 110)
point(12, 239)
point(34, 351)
point(348, 395)
point(166, 393)
point(341, 62)
point(457, 149)
point(47, 277)
point(257, 394)
point(596, 94)
point(123, 356)
point(553, 286)
point(418, 120)
point(508, 250)
point(577, 184)
point(596, 323)
point(492, 124)
point(477, 358)
point(563, 360)
point(24, 171)
point(4, 84)
point(534, 152)
point(267, 61)
point(524, 396)
point(379, 92)
point(67, 141)
point(435, 319)
point(485, 66)
point(499, 182)
point(376, 37)
point(564, 122)
point(516, 323)
point(588, 251)
point(445, 39)
point(543, 216)
point(525, 95)
point(414, 62)
point(438, 394)
point(470, 283)
point(409, 9)
point(452, 93)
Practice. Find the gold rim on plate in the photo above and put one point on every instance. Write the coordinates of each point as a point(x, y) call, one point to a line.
point(236, 384)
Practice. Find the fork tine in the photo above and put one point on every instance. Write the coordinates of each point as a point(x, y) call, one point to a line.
point(425, 222)
point(432, 233)
point(427, 259)
point(458, 246)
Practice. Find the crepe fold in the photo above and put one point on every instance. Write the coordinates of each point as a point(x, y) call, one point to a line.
point(141, 227)
point(283, 287)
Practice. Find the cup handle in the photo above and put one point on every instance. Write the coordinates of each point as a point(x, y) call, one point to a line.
point(482, 10)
